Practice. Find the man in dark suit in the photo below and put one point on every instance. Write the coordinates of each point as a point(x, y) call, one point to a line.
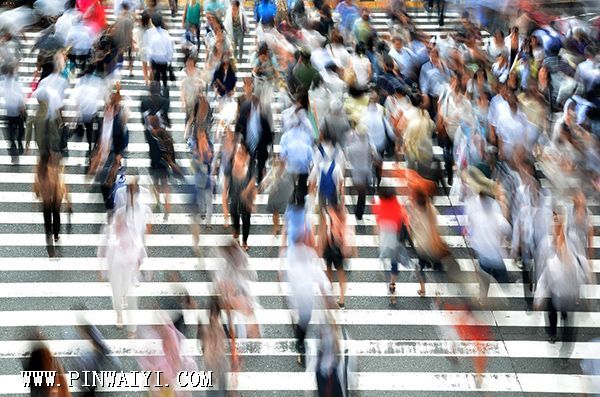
point(255, 130)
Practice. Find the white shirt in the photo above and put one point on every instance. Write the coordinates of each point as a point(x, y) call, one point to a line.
point(160, 45)
point(89, 93)
point(12, 93)
point(377, 125)
point(487, 228)
point(80, 38)
point(324, 162)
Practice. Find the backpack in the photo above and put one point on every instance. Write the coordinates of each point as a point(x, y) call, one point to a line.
point(327, 185)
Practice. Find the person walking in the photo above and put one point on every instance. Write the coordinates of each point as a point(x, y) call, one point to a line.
point(239, 191)
point(160, 50)
point(51, 189)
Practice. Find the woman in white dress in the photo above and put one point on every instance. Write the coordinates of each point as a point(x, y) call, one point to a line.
point(124, 252)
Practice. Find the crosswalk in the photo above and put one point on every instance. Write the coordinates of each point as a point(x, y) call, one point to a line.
point(399, 350)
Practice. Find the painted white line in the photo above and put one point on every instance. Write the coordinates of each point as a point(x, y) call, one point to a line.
point(178, 240)
point(286, 347)
point(48, 318)
point(175, 198)
point(95, 218)
point(263, 289)
point(88, 264)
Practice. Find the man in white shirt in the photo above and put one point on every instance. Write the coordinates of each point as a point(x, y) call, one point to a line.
point(80, 40)
point(405, 59)
point(14, 105)
point(160, 49)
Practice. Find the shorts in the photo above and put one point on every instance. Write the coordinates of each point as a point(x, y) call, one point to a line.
point(159, 175)
point(333, 256)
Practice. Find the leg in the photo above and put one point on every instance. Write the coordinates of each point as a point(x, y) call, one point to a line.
point(12, 134)
point(145, 72)
point(245, 225)
point(275, 223)
point(261, 165)
point(552, 320)
point(302, 185)
point(362, 199)
point(209, 205)
point(235, 219)
point(56, 220)
point(47, 219)
point(89, 133)
point(167, 191)
point(420, 272)
point(342, 280)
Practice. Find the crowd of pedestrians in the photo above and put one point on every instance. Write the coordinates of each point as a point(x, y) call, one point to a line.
point(371, 122)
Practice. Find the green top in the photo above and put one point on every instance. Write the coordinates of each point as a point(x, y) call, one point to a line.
point(305, 74)
point(192, 17)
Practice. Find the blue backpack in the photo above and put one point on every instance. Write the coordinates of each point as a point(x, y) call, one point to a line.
point(327, 185)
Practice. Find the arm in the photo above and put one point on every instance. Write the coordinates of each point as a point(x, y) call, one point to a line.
point(224, 197)
point(185, 11)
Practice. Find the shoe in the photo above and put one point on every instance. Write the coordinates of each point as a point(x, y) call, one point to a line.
point(341, 305)
point(392, 288)
point(552, 339)
point(245, 247)
point(56, 238)
point(421, 292)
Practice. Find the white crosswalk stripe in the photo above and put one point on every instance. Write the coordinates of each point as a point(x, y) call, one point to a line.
point(400, 350)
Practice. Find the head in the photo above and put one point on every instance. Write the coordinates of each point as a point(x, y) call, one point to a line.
point(157, 20)
point(145, 19)
point(397, 42)
point(235, 5)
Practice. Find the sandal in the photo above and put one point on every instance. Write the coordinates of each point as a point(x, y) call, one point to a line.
point(421, 292)
point(341, 305)
point(245, 247)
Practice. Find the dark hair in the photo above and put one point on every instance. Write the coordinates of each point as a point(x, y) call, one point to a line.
point(360, 49)
point(157, 20)
point(145, 19)
point(235, 3)
point(263, 48)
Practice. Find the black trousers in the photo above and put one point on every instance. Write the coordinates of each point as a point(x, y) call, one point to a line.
point(238, 210)
point(448, 147)
point(16, 131)
point(329, 386)
point(568, 333)
point(260, 161)
point(361, 190)
point(301, 185)
point(52, 219)
point(160, 72)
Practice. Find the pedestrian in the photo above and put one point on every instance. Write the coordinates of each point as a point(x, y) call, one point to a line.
point(309, 288)
point(236, 27)
point(16, 112)
point(253, 126)
point(392, 224)
point(335, 246)
point(362, 157)
point(280, 186)
point(49, 186)
point(239, 192)
point(141, 43)
point(202, 160)
point(160, 50)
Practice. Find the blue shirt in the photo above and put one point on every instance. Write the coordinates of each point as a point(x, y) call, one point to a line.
point(296, 151)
